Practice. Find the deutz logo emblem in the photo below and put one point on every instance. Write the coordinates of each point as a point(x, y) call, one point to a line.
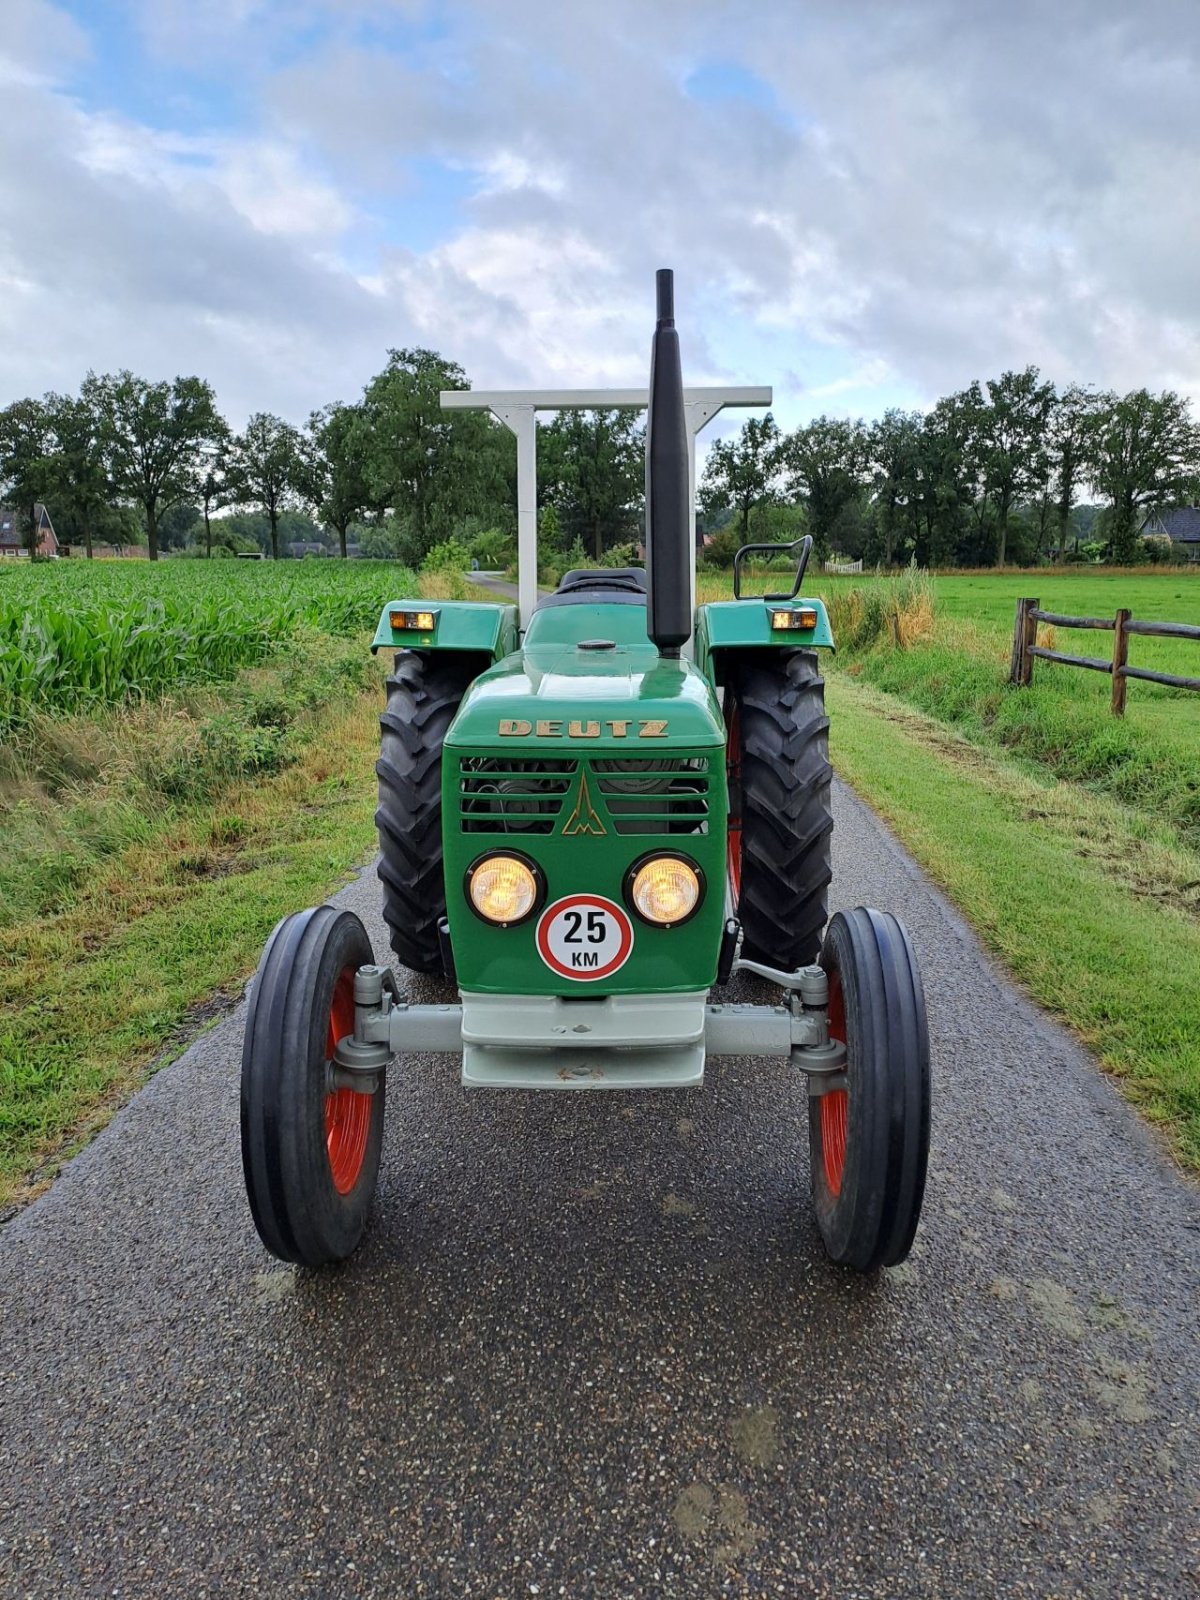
point(552, 728)
point(584, 818)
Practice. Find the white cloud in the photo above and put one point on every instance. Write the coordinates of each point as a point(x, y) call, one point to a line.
point(268, 185)
point(920, 195)
point(39, 43)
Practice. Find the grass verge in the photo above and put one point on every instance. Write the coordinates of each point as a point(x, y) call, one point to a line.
point(195, 851)
point(1095, 908)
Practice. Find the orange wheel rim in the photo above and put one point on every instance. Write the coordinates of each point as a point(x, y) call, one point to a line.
point(733, 769)
point(347, 1113)
point(835, 1107)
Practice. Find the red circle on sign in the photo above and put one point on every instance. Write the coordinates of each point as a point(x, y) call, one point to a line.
point(549, 935)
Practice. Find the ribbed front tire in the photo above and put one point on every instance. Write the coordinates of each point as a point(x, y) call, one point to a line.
point(869, 1140)
point(423, 695)
point(779, 813)
point(310, 1151)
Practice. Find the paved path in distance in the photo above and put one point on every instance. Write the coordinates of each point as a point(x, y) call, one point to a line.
point(591, 1346)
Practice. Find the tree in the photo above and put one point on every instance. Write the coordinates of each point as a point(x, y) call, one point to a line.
point(894, 450)
point(742, 472)
point(827, 462)
point(26, 443)
point(267, 469)
point(152, 435)
point(1071, 421)
point(1012, 444)
point(215, 488)
point(335, 469)
point(78, 480)
point(178, 523)
point(1142, 451)
point(947, 478)
point(430, 465)
point(591, 468)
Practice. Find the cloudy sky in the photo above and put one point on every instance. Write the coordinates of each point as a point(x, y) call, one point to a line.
point(867, 202)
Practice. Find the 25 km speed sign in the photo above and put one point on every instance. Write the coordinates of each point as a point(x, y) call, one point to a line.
point(584, 937)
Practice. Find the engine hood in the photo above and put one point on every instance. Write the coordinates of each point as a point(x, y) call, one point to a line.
point(558, 691)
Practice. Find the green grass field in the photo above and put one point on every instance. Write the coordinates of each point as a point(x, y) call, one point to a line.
point(186, 754)
point(76, 635)
point(1069, 837)
point(955, 663)
point(1093, 906)
point(987, 604)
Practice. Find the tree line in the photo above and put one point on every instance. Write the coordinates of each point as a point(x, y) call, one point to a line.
point(130, 461)
point(993, 473)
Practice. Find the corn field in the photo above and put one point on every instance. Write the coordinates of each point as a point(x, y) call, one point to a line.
point(74, 636)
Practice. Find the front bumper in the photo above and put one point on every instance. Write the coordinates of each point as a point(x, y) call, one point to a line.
point(620, 1042)
point(545, 1042)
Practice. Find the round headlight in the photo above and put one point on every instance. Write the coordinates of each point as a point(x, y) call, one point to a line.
point(503, 889)
point(665, 890)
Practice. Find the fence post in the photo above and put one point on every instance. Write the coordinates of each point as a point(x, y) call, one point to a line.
point(1018, 644)
point(1030, 639)
point(1120, 656)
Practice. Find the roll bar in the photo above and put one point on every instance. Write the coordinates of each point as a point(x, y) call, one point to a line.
point(518, 408)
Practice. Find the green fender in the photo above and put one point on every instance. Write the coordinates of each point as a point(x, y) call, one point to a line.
point(726, 625)
point(473, 625)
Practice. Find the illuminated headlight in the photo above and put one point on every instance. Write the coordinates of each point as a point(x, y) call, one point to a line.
point(413, 621)
point(800, 620)
point(504, 889)
point(664, 890)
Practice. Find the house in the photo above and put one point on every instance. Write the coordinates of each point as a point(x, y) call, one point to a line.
point(299, 548)
point(1181, 526)
point(12, 533)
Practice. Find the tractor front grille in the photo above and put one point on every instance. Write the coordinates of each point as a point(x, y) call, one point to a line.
point(500, 794)
point(620, 794)
point(654, 794)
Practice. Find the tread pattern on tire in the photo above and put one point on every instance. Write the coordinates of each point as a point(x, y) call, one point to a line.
point(872, 1222)
point(423, 694)
point(786, 817)
point(298, 1213)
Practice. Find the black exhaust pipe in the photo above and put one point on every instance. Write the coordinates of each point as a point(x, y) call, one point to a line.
point(668, 501)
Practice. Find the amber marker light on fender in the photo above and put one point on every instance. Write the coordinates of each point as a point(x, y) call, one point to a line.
point(797, 621)
point(413, 621)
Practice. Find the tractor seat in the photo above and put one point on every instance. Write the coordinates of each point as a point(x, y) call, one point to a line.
point(624, 586)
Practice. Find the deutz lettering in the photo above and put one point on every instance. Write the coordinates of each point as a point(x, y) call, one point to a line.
point(552, 728)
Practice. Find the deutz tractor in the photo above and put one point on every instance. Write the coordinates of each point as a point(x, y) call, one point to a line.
point(589, 816)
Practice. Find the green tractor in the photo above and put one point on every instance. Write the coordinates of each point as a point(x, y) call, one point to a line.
point(590, 813)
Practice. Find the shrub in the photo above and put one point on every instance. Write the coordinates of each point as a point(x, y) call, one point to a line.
point(448, 556)
point(899, 609)
point(493, 548)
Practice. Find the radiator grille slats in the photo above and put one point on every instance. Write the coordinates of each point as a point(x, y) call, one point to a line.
point(509, 795)
point(650, 794)
point(631, 795)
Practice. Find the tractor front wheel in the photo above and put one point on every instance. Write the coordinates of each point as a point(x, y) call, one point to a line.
point(869, 1135)
point(310, 1150)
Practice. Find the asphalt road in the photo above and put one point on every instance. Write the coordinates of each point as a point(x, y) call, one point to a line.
point(591, 1346)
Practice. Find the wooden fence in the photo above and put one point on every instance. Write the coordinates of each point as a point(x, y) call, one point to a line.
point(1026, 648)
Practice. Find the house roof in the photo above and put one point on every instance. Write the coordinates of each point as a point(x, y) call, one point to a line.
point(1181, 524)
point(10, 525)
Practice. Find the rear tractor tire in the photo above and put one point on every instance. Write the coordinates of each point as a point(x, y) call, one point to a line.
point(423, 695)
point(310, 1151)
point(869, 1140)
point(779, 815)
